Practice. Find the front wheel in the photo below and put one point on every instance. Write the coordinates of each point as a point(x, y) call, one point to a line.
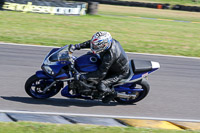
point(142, 84)
point(34, 87)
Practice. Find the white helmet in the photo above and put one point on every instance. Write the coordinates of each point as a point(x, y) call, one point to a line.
point(100, 41)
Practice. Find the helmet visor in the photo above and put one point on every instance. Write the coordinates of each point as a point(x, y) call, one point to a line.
point(97, 48)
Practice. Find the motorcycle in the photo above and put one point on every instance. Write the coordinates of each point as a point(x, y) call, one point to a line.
point(60, 67)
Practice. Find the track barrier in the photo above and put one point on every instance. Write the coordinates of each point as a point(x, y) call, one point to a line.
point(46, 7)
point(59, 7)
point(149, 5)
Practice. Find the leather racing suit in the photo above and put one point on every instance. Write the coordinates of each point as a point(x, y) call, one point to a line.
point(114, 66)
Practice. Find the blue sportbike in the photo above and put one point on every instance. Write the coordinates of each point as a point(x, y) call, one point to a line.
point(60, 67)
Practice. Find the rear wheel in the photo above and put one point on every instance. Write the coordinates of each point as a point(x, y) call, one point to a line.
point(142, 84)
point(34, 87)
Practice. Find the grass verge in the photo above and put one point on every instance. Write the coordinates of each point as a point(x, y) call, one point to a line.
point(31, 127)
point(135, 35)
point(173, 2)
point(149, 12)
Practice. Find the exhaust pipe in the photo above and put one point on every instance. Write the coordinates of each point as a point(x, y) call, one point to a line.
point(122, 95)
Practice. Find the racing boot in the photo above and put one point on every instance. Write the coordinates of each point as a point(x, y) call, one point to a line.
point(106, 91)
point(109, 97)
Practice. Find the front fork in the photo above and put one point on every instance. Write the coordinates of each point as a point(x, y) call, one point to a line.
point(42, 75)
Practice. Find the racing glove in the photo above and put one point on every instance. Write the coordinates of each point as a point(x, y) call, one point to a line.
point(71, 48)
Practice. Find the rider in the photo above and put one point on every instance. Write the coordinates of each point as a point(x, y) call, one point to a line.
point(114, 64)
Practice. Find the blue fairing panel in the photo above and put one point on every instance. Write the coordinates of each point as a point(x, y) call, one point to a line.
point(42, 75)
point(63, 75)
point(59, 65)
point(53, 50)
point(87, 63)
point(142, 75)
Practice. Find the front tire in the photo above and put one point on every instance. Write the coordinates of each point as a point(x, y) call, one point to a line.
point(34, 87)
point(142, 84)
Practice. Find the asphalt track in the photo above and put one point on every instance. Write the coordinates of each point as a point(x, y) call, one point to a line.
point(174, 88)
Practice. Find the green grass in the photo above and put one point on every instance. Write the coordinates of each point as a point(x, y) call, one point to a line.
point(173, 2)
point(135, 35)
point(149, 12)
point(31, 127)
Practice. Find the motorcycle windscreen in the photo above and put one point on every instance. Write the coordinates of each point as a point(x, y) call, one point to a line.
point(87, 63)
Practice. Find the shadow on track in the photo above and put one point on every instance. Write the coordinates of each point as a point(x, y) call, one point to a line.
point(59, 102)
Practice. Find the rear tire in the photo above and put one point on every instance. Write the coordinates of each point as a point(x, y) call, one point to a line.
point(140, 95)
point(34, 87)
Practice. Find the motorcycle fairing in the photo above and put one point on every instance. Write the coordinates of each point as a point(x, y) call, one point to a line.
point(54, 62)
point(87, 63)
point(41, 74)
point(57, 70)
point(145, 69)
point(52, 51)
point(142, 69)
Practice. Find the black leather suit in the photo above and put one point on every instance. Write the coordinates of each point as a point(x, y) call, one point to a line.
point(114, 66)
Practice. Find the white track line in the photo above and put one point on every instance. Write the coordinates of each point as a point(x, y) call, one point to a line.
point(103, 116)
point(28, 45)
